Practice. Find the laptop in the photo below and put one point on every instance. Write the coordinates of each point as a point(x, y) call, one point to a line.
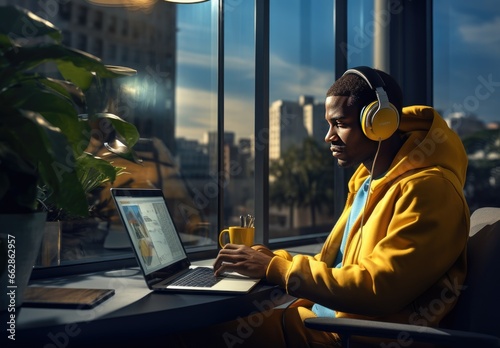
point(159, 250)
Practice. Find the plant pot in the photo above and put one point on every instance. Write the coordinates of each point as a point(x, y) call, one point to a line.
point(50, 249)
point(20, 240)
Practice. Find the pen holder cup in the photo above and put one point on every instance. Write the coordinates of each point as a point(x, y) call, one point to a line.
point(237, 235)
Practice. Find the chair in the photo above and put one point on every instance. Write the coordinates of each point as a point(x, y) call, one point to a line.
point(474, 321)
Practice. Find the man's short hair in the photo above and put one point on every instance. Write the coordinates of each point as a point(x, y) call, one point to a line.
point(360, 93)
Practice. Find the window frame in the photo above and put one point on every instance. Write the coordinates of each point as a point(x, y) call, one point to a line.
point(402, 28)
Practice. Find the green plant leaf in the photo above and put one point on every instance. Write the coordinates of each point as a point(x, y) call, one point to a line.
point(36, 141)
point(19, 23)
point(39, 120)
point(27, 58)
point(36, 97)
point(121, 70)
point(79, 76)
point(65, 88)
point(127, 131)
point(57, 109)
point(93, 171)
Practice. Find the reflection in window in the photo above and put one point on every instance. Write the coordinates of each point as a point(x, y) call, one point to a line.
point(82, 15)
point(111, 52)
point(112, 24)
point(301, 71)
point(173, 102)
point(466, 89)
point(81, 42)
point(97, 48)
point(239, 97)
point(174, 144)
point(65, 11)
point(98, 18)
point(125, 30)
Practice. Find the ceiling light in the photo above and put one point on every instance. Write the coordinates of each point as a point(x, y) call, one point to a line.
point(123, 3)
point(138, 3)
point(185, 1)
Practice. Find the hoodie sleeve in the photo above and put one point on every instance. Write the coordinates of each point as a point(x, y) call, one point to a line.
point(417, 234)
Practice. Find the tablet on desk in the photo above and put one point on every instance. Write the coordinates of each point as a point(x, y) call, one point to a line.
point(76, 298)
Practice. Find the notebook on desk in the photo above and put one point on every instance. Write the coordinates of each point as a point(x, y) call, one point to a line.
point(159, 250)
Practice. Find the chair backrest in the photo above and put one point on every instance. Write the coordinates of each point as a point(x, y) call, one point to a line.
point(478, 307)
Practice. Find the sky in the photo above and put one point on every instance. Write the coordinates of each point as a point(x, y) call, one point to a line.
point(471, 40)
point(466, 55)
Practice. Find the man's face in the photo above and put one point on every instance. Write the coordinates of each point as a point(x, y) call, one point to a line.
point(347, 142)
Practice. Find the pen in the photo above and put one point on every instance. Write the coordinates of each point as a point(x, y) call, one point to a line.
point(252, 219)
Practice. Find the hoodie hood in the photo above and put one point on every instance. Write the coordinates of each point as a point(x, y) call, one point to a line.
point(429, 142)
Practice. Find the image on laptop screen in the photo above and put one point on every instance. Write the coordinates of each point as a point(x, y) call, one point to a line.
point(155, 238)
point(159, 250)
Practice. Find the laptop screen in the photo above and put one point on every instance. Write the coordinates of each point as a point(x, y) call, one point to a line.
point(150, 228)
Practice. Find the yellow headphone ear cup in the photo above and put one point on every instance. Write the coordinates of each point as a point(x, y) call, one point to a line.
point(381, 124)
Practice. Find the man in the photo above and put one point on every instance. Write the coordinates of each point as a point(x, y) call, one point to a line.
point(397, 252)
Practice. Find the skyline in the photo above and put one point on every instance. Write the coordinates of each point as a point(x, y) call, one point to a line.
point(469, 32)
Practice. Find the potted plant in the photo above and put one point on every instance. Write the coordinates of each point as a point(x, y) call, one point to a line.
point(43, 136)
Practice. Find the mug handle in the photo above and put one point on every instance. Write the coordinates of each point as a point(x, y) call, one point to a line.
point(221, 237)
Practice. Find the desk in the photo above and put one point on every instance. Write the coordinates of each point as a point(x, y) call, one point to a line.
point(134, 310)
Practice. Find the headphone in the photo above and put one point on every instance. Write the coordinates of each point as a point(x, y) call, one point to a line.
point(379, 119)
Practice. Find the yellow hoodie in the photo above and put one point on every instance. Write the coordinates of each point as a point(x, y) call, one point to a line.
point(407, 264)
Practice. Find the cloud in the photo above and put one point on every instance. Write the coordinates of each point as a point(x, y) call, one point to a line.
point(239, 118)
point(193, 59)
point(196, 114)
point(293, 80)
point(485, 33)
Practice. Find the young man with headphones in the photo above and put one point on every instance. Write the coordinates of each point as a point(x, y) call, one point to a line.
point(397, 252)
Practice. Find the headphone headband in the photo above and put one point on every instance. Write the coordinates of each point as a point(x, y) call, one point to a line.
point(369, 75)
point(379, 119)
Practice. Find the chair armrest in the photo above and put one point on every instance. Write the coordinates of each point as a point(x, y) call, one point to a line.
point(403, 332)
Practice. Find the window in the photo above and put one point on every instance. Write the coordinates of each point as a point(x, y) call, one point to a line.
point(82, 15)
point(65, 11)
point(300, 165)
point(172, 100)
point(111, 52)
point(81, 42)
point(467, 88)
point(112, 24)
point(360, 33)
point(98, 20)
point(125, 28)
point(195, 101)
point(239, 111)
point(97, 47)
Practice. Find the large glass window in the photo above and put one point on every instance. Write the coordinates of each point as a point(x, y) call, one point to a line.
point(172, 100)
point(467, 88)
point(361, 22)
point(203, 156)
point(239, 111)
point(301, 71)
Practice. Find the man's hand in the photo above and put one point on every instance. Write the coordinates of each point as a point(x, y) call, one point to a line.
point(242, 259)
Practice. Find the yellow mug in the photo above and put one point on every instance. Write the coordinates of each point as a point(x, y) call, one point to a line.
point(238, 235)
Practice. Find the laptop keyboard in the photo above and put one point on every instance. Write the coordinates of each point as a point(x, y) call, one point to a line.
point(198, 277)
